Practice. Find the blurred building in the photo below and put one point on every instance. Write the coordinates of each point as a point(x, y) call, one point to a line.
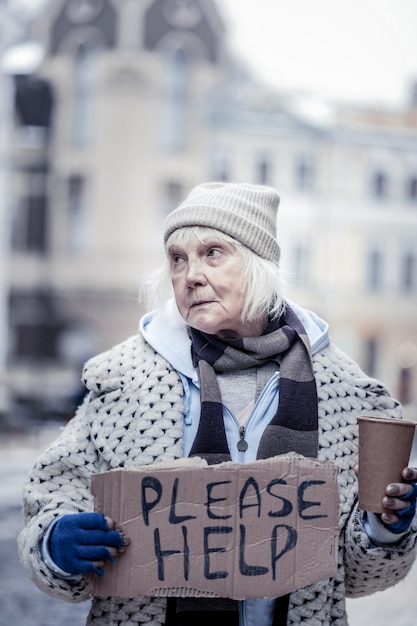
point(135, 103)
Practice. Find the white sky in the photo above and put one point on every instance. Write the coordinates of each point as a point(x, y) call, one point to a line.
point(358, 50)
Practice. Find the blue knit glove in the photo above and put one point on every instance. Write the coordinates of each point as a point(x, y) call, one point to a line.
point(77, 540)
point(405, 516)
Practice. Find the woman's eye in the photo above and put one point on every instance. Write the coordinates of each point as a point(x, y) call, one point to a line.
point(214, 252)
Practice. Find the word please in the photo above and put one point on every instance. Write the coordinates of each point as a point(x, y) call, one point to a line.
point(250, 497)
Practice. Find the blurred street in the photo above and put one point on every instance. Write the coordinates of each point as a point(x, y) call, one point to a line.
point(21, 602)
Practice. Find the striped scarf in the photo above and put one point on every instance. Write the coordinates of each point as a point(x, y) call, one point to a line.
point(295, 424)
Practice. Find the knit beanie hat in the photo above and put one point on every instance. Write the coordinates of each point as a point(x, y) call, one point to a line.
point(243, 211)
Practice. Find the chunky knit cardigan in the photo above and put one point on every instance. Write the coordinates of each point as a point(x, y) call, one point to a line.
point(133, 416)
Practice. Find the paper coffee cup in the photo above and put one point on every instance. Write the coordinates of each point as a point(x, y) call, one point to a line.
point(384, 451)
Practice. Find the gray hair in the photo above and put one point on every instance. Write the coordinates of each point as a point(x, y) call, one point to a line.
point(263, 283)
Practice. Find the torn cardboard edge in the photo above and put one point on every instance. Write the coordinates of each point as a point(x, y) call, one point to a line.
point(261, 529)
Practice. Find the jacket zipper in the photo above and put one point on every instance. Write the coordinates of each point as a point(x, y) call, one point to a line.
point(242, 444)
point(242, 613)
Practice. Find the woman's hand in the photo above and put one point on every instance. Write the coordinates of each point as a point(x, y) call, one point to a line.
point(400, 501)
point(83, 542)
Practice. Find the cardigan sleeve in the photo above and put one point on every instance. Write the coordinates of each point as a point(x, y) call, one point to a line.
point(58, 484)
point(346, 392)
point(370, 569)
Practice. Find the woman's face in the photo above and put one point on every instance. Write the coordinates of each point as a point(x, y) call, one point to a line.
point(208, 285)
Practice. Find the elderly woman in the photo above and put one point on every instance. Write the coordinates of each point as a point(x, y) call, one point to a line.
point(227, 369)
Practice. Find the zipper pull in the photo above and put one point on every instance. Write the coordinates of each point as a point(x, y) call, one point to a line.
point(242, 444)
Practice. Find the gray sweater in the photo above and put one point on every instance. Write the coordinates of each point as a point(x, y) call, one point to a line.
point(133, 416)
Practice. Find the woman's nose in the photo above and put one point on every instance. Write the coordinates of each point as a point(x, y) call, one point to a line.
point(195, 274)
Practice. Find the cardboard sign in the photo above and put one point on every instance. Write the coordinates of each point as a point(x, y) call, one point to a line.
point(259, 529)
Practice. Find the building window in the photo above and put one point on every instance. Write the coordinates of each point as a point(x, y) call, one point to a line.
point(409, 272)
point(80, 11)
point(380, 185)
point(221, 165)
point(173, 195)
point(304, 173)
point(36, 341)
point(174, 96)
point(77, 229)
point(411, 190)
point(301, 265)
point(35, 326)
point(371, 350)
point(29, 231)
point(85, 95)
point(263, 169)
point(374, 270)
point(405, 385)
